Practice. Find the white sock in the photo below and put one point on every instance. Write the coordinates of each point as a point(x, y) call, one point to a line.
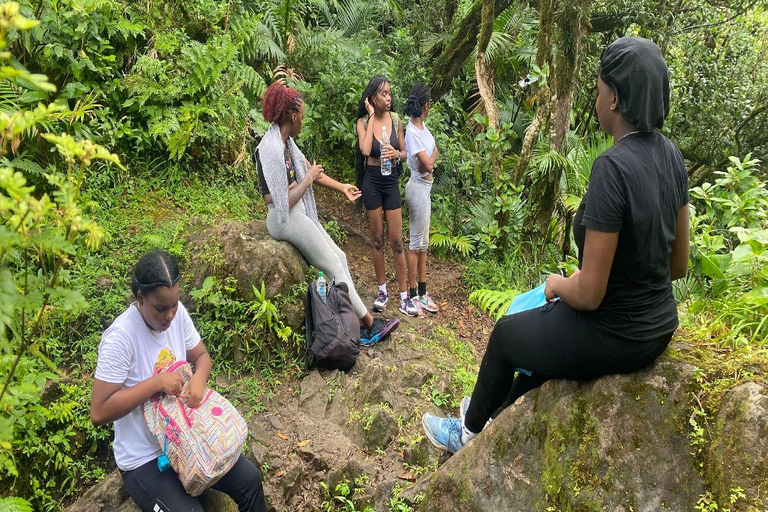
point(466, 434)
point(403, 295)
point(383, 287)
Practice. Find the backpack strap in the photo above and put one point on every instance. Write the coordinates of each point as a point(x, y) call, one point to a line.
point(395, 119)
point(308, 327)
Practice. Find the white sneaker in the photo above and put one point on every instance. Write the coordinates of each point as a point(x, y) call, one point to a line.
point(426, 303)
point(407, 307)
point(381, 301)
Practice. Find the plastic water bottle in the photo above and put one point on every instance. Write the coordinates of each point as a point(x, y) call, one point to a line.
point(386, 165)
point(322, 287)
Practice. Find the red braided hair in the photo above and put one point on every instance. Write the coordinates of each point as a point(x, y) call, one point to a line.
point(280, 101)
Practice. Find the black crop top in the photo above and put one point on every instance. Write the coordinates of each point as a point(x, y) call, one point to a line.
point(393, 141)
point(290, 169)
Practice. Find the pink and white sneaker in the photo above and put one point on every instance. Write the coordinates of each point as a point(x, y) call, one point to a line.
point(426, 303)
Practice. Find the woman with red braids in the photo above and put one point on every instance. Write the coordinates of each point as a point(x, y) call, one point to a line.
point(286, 178)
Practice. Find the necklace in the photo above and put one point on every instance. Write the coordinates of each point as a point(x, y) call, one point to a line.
point(627, 135)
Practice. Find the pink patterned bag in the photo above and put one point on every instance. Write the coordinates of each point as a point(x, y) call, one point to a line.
point(203, 442)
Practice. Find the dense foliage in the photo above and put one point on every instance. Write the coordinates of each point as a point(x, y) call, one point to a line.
point(173, 90)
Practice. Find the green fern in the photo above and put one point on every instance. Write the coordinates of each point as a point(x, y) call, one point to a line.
point(252, 83)
point(259, 36)
point(22, 163)
point(493, 302)
point(463, 244)
point(204, 63)
point(14, 505)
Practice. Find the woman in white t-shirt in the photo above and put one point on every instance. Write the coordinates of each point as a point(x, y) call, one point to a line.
point(152, 331)
point(421, 156)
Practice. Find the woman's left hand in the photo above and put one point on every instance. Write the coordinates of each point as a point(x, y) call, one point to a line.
point(194, 393)
point(350, 191)
point(549, 292)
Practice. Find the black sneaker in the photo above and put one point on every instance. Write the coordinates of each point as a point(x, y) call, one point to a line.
point(378, 331)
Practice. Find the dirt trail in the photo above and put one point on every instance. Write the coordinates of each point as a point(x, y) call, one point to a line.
point(363, 427)
point(444, 277)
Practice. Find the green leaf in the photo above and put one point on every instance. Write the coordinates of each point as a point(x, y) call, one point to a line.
point(9, 299)
point(15, 505)
point(757, 296)
point(71, 300)
point(8, 238)
point(711, 267)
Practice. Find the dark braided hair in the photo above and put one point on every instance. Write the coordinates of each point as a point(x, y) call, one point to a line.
point(418, 97)
point(154, 269)
point(374, 85)
point(280, 101)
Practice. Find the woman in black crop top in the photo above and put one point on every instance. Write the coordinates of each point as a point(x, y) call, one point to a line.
point(381, 191)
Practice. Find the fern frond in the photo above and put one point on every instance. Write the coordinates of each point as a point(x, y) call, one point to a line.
point(463, 244)
point(204, 63)
point(259, 35)
point(493, 302)
point(21, 163)
point(252, 82)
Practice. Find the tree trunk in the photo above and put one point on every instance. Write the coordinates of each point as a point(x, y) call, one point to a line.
point(449, 62)
point(484, 76)
point(450, 58)
point(567, 32)
point(540, 118)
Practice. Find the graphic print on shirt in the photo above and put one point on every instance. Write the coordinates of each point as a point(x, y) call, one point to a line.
point(164, 359)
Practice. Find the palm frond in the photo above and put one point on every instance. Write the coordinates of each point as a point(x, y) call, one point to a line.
point(353, 16)
point(545, 158)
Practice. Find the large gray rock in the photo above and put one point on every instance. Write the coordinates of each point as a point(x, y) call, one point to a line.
point(110, 496)
point(247, 252)
point(738, 455)
point(617, 443)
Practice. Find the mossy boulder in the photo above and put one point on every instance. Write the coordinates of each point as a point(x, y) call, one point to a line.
point(247, 252)
point(738, 455)
point(617, 443)
point(110, 496)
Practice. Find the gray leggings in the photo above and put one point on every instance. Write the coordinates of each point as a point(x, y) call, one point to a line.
point(419, 201)
point(316, 246)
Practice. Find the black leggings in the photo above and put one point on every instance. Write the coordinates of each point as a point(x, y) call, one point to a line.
point(154, 491)
point(554, 341)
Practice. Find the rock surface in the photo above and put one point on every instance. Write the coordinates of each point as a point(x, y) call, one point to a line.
point(247, 252)
point(110, 496)
point(738, 454)
point(619, 443)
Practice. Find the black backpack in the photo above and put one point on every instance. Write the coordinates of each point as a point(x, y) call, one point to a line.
point(333, 329)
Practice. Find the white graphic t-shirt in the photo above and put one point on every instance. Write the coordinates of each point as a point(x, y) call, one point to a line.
point(128, 354)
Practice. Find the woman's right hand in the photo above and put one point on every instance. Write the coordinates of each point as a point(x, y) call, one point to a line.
point(368, 106)
point(315, 170)
point(170, 383)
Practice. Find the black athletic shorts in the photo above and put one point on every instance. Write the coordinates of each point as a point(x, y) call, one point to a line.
point(378, 190)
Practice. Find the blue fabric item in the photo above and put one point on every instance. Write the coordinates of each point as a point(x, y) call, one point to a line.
point(528, 300)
